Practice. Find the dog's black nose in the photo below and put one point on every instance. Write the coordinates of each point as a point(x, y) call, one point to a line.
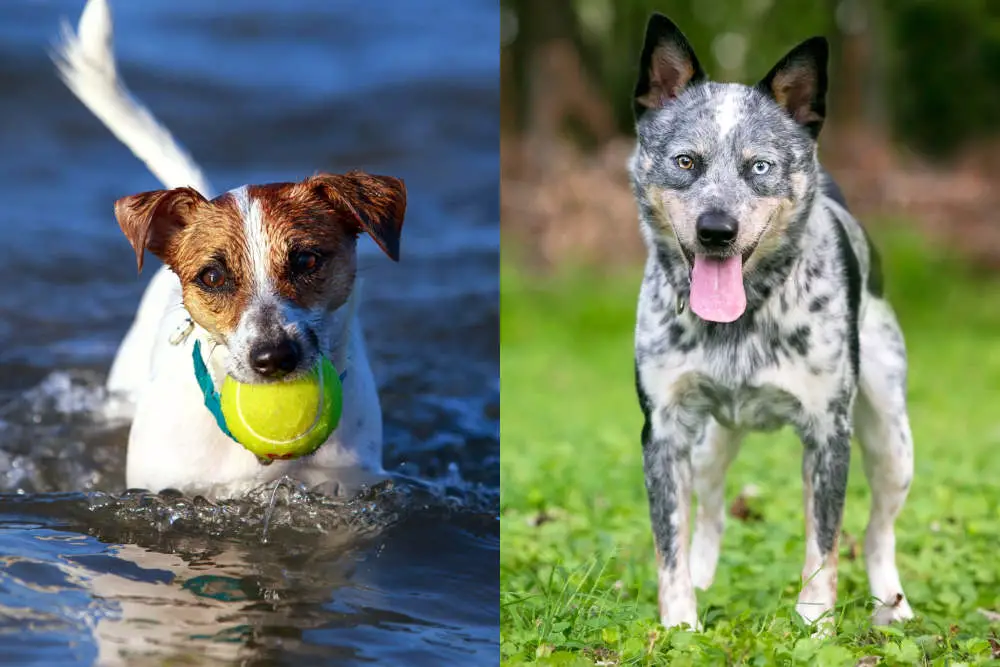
point(276, 359)
point(716, 229)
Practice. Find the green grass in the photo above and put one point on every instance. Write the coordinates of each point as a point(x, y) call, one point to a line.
point(578, 579)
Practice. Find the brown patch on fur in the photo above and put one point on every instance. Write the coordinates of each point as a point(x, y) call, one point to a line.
point(660, 200)
point(215, 237)
point(190, 234)
point(366, 203)
point(670, 70)
point(150, 219)
point(772, 215)
point(661, 603)
point(794, 89)
point(296, 219)
point(832, 562)
point(323, 215)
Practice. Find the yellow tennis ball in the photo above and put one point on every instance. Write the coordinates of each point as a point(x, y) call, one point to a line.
point(284, 420)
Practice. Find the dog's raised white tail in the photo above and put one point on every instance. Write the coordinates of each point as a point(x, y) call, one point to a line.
point(86, 63)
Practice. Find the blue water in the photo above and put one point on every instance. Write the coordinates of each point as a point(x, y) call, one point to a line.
point(257, 91)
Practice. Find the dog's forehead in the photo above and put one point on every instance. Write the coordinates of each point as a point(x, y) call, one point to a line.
point(273, 220)
point(266, 214)
point(265, 203)
point(716, 118)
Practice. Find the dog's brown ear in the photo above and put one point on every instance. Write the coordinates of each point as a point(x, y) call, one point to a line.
point(376, 204)
point(150, 219)
point(798, 83)
point(667, 65)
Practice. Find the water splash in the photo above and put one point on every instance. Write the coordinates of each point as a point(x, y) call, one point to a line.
point(67, 434)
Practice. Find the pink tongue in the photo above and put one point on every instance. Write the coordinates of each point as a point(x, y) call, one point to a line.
point(717, 288)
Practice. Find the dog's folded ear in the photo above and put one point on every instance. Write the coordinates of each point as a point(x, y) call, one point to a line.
point(150, 219)
point(798, 83)
point(375, 204)
point(667, 65)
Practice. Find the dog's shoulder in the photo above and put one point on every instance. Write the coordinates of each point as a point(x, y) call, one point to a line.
point(867, 254)
point(831, 189)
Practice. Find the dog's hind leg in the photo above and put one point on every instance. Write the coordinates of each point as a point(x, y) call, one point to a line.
point(710, 460)
point(883, 430)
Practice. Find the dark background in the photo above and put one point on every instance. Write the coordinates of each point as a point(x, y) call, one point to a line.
point(911, 129)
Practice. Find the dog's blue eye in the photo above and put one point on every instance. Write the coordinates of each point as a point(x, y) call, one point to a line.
point(761, 167)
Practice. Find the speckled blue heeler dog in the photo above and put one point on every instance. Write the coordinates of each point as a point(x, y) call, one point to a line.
point(761, 306)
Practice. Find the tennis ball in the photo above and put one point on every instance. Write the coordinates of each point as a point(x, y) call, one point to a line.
point(284, 420)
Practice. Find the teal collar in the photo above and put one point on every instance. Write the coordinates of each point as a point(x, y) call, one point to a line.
point(207, 385)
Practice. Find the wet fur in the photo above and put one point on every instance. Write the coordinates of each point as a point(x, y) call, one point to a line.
point(251, 235)
point(818, 348)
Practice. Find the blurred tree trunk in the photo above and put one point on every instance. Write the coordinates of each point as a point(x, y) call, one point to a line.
point(856, 147)
point(848, 45)
point(553, 82)
point(508, 93)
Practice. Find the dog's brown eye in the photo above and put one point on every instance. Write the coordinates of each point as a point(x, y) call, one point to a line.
point(684, 162)
point(303, 261)
point(212, 277)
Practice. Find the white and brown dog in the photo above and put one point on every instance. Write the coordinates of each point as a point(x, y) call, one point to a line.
point(262, 277)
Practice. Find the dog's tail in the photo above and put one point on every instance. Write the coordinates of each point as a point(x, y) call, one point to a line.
point(86, 64)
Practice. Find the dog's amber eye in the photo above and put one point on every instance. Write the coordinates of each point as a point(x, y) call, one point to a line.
point(213, 277)
point(684, 162)
point(303, 261)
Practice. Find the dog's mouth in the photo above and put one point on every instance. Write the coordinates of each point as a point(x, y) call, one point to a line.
point(745, 256)
point(717, 292)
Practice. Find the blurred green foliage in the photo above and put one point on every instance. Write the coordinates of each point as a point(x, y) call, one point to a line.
point(938, 61)
point(946, 75)
point(577, 566)
point(613, 30)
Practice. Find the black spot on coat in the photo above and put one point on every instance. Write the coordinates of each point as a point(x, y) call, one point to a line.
point(852, 274)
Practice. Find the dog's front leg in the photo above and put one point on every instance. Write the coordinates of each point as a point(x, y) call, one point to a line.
point(667, 438)
point(827, 440)
point(710, 459)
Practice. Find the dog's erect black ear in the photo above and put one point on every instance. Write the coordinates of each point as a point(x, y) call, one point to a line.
point(798, 83)
point(375, 204)
point(668, 64)
point(150, 219)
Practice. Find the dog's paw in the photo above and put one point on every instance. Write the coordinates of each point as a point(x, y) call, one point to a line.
point(892, 612)
point(692, 623)
point(677, 602)
point(680, 614)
